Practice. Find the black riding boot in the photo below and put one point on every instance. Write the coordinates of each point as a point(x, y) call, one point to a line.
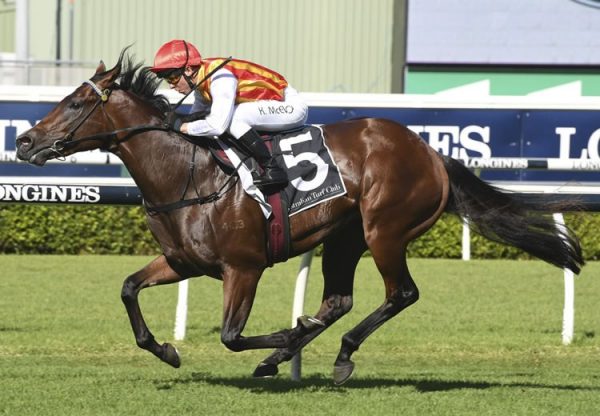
point(273, 176)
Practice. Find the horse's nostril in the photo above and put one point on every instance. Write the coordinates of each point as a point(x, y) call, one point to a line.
point(23, 141)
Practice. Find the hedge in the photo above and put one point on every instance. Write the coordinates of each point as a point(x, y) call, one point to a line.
point(66, 229)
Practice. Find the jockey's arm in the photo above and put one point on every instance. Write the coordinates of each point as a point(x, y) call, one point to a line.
point(200, 105)
point(223, 90)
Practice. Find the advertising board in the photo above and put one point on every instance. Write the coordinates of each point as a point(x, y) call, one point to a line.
point(469, 131)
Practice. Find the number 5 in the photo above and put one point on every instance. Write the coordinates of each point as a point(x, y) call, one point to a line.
point(310, 157)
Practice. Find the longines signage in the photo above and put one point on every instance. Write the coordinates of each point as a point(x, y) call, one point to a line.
point(49, 193)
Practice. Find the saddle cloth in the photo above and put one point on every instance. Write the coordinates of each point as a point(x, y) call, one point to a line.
point(314, 176)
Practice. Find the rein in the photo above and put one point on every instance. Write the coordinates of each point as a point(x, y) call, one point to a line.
point(59, 146)
point(194, 86)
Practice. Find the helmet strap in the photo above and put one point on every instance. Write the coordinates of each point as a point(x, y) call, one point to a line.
point(189, 81)
point(187, 78)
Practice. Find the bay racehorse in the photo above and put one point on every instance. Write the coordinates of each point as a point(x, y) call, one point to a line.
point(397, 188)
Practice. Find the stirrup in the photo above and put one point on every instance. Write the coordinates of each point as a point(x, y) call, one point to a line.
point(263, 182)
point(273, 179)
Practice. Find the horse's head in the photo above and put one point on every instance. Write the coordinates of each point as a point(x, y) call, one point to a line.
point(80, 114)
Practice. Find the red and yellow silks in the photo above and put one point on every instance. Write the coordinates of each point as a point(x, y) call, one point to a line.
point(255, 82)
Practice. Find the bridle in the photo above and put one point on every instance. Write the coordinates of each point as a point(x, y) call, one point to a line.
point(59, 146)
point(68, 141)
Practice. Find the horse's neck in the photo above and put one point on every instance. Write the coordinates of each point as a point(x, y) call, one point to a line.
point(160, 164)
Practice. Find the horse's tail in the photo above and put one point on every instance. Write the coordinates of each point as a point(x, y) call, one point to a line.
point(501, 217)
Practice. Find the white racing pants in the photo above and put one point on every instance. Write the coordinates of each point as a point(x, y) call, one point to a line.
point(269, 115)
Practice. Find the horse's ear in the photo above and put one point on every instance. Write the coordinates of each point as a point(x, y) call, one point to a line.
point(110, 74)
point(101, 68)
point(114, 73)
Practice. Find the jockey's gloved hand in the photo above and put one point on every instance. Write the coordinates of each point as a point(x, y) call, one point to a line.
point(173, 120)
point(198, 115)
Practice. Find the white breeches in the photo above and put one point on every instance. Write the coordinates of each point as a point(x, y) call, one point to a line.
point(269, 115)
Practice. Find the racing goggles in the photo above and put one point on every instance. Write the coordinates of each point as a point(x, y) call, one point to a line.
point(172, 76)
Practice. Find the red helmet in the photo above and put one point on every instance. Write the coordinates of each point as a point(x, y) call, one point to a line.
point(176, 54)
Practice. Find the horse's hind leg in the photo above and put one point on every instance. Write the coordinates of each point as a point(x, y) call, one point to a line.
point(401, 292)
point(397, 206)
point(158, 272)
point(341, 254)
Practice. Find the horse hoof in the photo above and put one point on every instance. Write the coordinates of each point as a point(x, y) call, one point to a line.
point(171, 355)
point(265, 370)
point(342, 372)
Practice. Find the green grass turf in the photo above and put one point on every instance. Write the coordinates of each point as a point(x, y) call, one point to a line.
point(484, 339)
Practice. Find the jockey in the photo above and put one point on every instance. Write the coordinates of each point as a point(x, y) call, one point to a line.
point(238, 98)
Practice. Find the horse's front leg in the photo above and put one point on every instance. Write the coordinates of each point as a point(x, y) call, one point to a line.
point(158, 272)
point(239, 290)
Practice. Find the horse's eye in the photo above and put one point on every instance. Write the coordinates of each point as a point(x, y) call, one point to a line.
point(74, 105)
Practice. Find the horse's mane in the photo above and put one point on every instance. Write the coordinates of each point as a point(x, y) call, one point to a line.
point(138, 79)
